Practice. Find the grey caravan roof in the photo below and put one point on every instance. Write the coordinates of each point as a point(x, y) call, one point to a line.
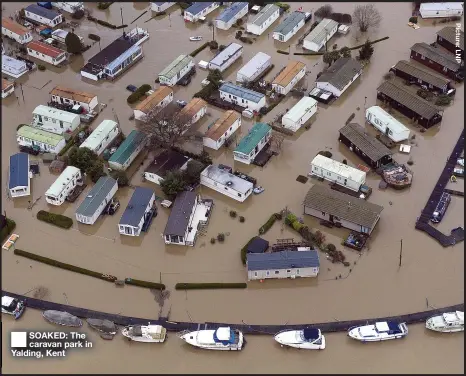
point(96, 196)
point(283, 260)
point(179, 216)
point(242, 92)
point(264, 14)
point(41, 11)
point(136, 208)
point(290, 22)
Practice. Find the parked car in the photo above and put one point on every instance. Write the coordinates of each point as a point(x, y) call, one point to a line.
point(185, 81)
point(131, 88)
point(33, 150)
point(248, 114)
point(181, 103)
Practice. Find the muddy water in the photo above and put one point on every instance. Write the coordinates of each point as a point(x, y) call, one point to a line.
point(375, 286)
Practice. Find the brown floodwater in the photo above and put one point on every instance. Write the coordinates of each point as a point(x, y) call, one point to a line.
point(376, 286)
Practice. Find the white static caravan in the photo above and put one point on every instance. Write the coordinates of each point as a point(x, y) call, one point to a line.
point(153, 103)
point(13, 67)
point(222, 181)
point(321, 34)
point(96, 200)
point(229, 16)
point(101, 137)
point(45, 141)
point(440, 10)
point(60, 36)
point(176, 70)
point(199, 10)
point(160, 6)
point(299, 114)
point(46, 52)
point(54, 120)
point(337, 172)
point(289, 77)
point(19, 178)
point(193, 112)
point(254, 68)
point(15, 31)
point(8, 88)
point(289, 27)
point(222, 129)
point(62, 187)
point(225, 58)
point(64, 95)
point(69, 7)
point(241, 96)
point(136, 213)
point(263, 19)
point(42, 15)
point(387, 124)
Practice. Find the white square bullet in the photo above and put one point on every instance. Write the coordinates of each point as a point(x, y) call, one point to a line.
point(19, 339)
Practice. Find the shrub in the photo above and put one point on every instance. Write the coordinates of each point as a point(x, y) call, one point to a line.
point(62, 265)
point(103, 6)
point(212, 240)
point(325, 153)
point(67, 147)
point(173, 183)
point(55, 219)
point(443, 100)
point(133, 97)
point(319, 238)
point(388, 75)
point(199, 49)
point(283, 6)
point(238, 34)
point(8, 229)
point(232, 214)
point(205, 286)
point(184, 5)
point(149, 285)
point(345, 161)
point(290, 218)
point(107, 24)
point(221, 47)
point(41, 67)
point(73, 44)
point(266, 227)
point(213, 45)
point(413, 19)
point(242, 219)
point(121, 178)
point(239, 22)
point(324, 11)
point(331, 247)
point(297, 225)
point(19, 126)
point(244, 251)
point(351, 117)
point(221, 237)
point(346, 19)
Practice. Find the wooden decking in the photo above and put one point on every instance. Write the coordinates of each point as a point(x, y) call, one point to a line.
point(422, 222)
point(333, 326)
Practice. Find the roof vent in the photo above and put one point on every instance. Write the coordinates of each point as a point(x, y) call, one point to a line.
point(229, 183)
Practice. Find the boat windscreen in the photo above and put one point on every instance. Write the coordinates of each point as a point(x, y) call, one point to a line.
point(137, 331)
point(310, 334)
point(12, 306)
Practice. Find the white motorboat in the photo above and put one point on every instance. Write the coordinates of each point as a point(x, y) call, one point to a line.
point(380, 331)
point(258, 190)
point(447, 323)
point(195, 39)
point(309, 339)
point(145, 333)
point(223, 338)
point(12, 306)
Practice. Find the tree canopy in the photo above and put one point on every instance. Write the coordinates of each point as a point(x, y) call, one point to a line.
point(73, 43)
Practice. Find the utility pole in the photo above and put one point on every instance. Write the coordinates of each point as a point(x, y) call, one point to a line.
point(121, 13)
point(401, 251)
point(22, 93)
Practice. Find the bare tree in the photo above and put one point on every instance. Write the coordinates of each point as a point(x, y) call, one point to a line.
point(167, 128)
point(324, 11)
point(276, 142)
point(366, 16)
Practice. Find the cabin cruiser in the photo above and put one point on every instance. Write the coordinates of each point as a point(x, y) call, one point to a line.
point(223, 338)
point(12, 306)
point(380, 331)
point(447, 322)
point(145, 333)
point(103, 326)
point(195, 39)
point(310, 339)
point(62, 318)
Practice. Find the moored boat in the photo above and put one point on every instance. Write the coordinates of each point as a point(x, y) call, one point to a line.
point(223, 338)
point(103, 326)
point(145, 333)
point(195, 39)
point(397, 177)
point(447, 322)
point(62, 318)
point(380, 331)
point(310, 339)
point(12, 306)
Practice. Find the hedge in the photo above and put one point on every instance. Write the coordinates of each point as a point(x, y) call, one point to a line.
point(205, 286)
point(62, 265)
point(149, 285)
point(138, 94)
point(55, 219)
point(94, 37)
point(199, 49)
point(244, 251)
point(67, 147)
point(266, 227)
point(8, 229)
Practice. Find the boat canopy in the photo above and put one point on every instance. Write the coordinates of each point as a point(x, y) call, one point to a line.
point(224, 335)
point(137, 331)
point(311, 334)
point(382, 327)
point(9, 303)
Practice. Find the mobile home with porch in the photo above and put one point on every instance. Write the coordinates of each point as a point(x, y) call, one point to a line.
point(54, 120)
point(47, 142)
point(62, 187)
point(42, 15)
point(289, 27)
point(251, 144)
point(96, 200)
point(102, 136)
point(19, 179)
point(263, 20)
point(15, 31)
point(128, 151)
point(387, 124)
point(137, 212)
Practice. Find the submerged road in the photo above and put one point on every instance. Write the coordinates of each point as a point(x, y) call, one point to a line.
point(334, 326)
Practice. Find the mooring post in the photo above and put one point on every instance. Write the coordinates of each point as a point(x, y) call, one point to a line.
point(401, 250)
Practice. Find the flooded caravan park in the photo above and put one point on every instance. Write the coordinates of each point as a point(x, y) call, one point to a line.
point(376, 286)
